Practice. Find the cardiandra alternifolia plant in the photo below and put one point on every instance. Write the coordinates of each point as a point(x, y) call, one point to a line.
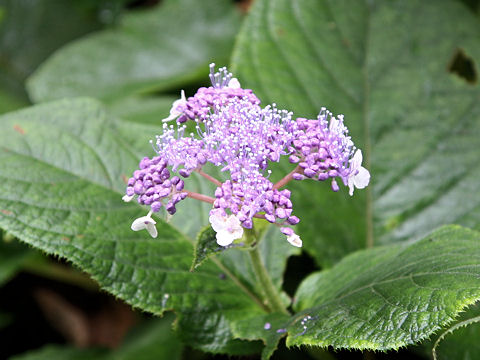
point(235, 133)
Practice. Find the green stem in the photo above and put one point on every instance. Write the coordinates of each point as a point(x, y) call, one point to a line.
point(271, 293)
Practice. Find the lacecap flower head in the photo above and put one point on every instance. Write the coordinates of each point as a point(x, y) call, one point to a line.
point(235, 133)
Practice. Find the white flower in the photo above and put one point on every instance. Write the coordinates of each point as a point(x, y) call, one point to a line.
point(359, 176)
point(178, 107)
point(294, 240)
point(227, 227)
point(127, 198)
point(145, 222)
point(234, 83)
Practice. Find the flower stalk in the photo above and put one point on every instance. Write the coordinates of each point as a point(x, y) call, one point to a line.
point(272, 295)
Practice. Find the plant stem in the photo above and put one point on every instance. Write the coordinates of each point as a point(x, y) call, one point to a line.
point(272, 295)
point(210, 178)
point(287, 178)
point(200, 197)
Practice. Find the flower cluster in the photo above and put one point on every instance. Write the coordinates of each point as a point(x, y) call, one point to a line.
point(224, 89)
point(324, 150)
point(234, 133)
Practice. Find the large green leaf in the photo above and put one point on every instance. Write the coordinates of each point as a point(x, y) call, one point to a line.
point(143, 109)
point(63, 170)
point(417, 123)
point(458, 341)
point(62, 174)
point(391, 296)
point(149, 50)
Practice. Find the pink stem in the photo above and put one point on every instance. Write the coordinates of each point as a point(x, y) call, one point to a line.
point(200, 197)
point(287, 178)
point(210, 178)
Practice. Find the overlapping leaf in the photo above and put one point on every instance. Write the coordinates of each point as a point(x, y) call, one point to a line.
point(457, 341)
point(417, 123)
point(390, 296)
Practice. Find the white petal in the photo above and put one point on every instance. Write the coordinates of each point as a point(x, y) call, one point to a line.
point(177, 108)
point(234, 83)
point(127, 198)
point(295, 240)
point(224, 238)
point(356, 161)
point(142, 223)
point(232, 221)
point(362, 178)
point(333, 125)
point(237, 233)
point(152, 230)
point(357, 174)
point(217, 220)
point(350, 185)
point(170, 118)
point(138, 224)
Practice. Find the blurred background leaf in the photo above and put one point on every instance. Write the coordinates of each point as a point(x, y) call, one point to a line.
point(30, 30)
point(154, 339)
point(13, 256)
point(153, 50)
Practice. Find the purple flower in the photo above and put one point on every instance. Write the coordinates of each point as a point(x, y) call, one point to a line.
point(234, 133)
point(323, 150)
point(224, 89)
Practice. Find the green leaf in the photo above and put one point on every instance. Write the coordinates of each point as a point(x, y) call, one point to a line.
point(416, 121)
point(274, 250)
point(5, 319)
point(63, 172)
point(143, 110)
point(58, 352)
point(9, 102)
point(205, 246)
point(463, 345)
point(152, 340)
point(31, 30)
point(458, 341)
point(391, 296)
point(270, 328)
point(167, 46)
point(62, 169)
point(212, 332)
point(13, 256)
